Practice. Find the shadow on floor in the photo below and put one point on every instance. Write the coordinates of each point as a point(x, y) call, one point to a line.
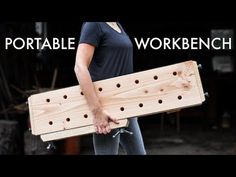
point(191, 140)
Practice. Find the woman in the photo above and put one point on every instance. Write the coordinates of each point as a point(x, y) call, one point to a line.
point(105, 51)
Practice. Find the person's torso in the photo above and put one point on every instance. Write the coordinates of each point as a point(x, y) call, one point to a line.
point(114, 54)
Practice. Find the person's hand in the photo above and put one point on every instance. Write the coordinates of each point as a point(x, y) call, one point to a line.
point(101, 121)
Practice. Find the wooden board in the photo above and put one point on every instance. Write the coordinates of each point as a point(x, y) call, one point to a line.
point(78, 131)
point(148, 92)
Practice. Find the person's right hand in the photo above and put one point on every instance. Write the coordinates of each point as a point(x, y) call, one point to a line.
point(101, 121)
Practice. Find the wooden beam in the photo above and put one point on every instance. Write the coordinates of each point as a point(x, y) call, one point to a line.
point(78, 131)
point(148, 92)
point(5, 86)
point(54, 78)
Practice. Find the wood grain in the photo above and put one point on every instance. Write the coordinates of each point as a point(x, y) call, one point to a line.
point(78, 131)
point(152, 91)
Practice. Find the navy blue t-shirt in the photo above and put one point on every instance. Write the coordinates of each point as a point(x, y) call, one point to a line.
point(113, 54)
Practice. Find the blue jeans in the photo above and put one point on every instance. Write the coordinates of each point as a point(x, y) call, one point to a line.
point(132, 144)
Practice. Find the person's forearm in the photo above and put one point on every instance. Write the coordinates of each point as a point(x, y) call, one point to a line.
point(87, 87)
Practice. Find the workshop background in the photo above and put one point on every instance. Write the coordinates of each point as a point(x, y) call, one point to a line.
point(205, 130)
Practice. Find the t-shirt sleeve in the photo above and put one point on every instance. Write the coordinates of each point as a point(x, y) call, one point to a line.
point(90, 33)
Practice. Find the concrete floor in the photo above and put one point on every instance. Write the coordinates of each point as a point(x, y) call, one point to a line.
point(191, 140)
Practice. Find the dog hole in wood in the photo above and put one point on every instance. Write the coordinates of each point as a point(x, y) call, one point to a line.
point(160, 101)
point(118, 85)
point(50, 122)
point(85, 115)
point(68, 119)
point(65, 96)
point(136, 81)
point(140, 105)
point(48, 100)
point(179, 97)
point(122, 108)
point(81, 93)
point(100, 89)
point(174, 73)
point(161, 90)
point(146, 91)
point(155, 77)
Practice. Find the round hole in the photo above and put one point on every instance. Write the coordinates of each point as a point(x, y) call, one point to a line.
point(159, 101)
point(68, 119)
point(81, 93)
point(65, 96)
point(100, 89)
point(122, 108)
point(174, 73)
point(136, 81)
point(48, 100)
point(140, 105)
point(118, 85)
point(50, 122)
point(146, 91)
point(155, 77)
point(86, 116)
point(179, 97)
point(161, 90)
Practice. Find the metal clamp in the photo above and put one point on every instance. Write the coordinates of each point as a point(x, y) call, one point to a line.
point(206, 94)
point(51, 146)
point(122, 130)
point(199, 66)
